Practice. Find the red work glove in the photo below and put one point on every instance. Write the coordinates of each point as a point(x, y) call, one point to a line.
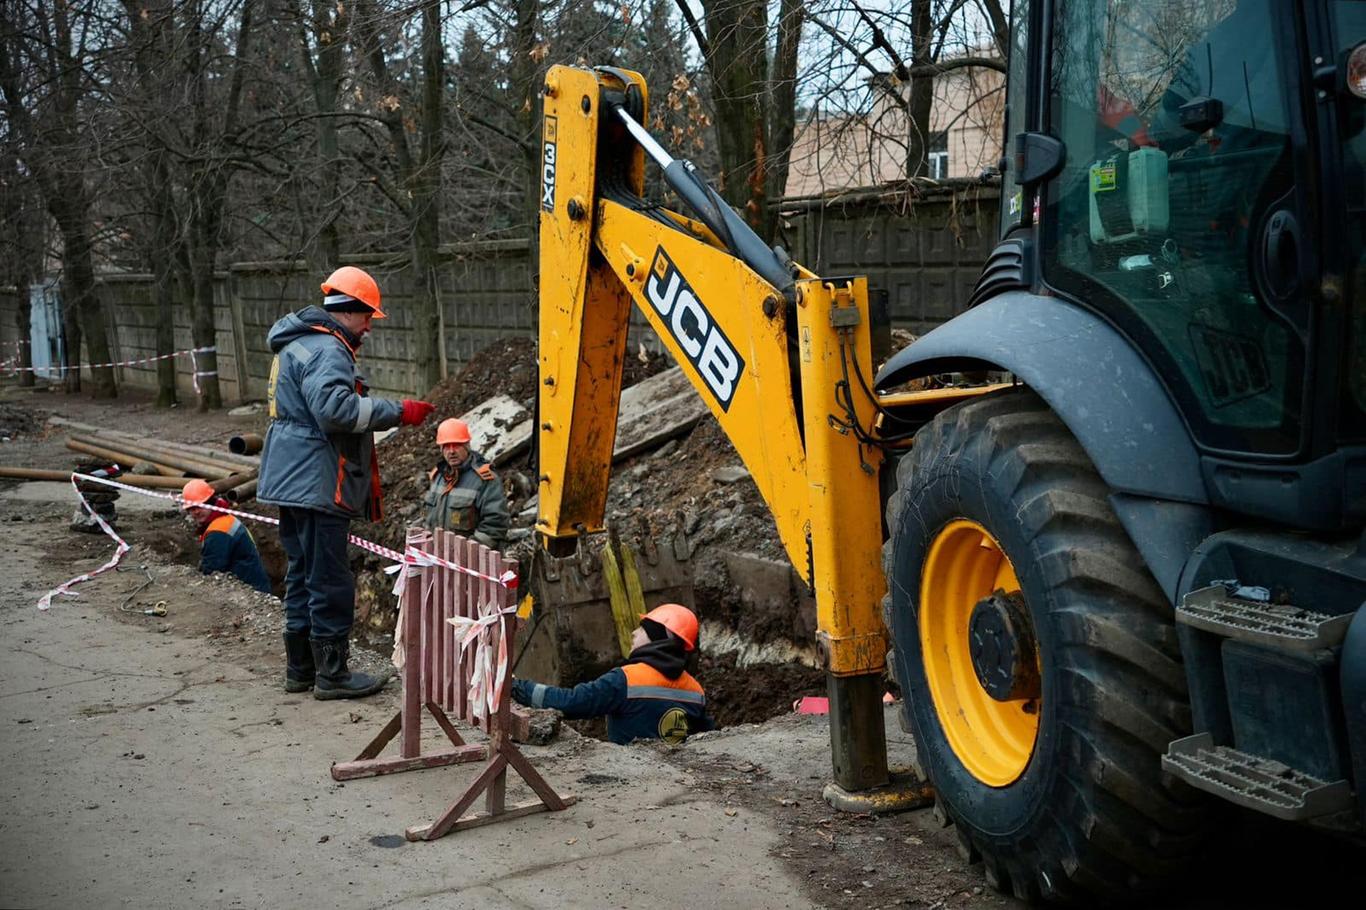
point(414, 411)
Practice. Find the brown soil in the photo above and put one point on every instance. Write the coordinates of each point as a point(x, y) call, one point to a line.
point(848, 861)
point(171, 537)
point(675, 484)
point(751, 695)
point(16, 421)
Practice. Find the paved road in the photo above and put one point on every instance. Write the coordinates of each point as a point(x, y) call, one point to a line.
point(140, 770)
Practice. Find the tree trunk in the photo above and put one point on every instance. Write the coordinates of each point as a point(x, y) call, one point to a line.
point(737, 31)
point(525, 78)
point(81, 312)
point(23, 321)
point(203, 253)
point(210, 191)
point(921, 96)
point(22, 252)
point(150, 27)
point(783, 111)
point(426, 194)
point(163, 279)
point(330, 22)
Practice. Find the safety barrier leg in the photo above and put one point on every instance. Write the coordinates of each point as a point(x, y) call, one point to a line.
point(492, 780)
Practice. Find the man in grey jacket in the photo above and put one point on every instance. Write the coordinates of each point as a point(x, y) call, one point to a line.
point(319, 468)
point(464, 495)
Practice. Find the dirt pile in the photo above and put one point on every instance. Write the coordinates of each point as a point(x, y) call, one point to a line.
point(506, 367)
point(16, 421)
point(749, 695)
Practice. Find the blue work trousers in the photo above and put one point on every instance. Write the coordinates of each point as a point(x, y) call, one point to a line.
point(320, 591)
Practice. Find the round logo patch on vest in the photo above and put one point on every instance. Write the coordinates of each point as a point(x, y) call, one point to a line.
point(673, 726)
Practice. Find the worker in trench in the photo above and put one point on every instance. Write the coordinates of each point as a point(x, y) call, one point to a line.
point(225, 543)
point(319, 467)
point(652, 696)
point(464, 495)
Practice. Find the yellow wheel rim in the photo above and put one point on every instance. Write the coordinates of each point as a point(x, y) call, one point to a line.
point(993, 739)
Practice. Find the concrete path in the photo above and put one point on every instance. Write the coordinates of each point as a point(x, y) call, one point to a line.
point(143, 771)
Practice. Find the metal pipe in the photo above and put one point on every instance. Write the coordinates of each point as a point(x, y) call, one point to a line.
point(203, 453)
point(133, 480)
point(198, 452)
point(246, 444)
point(245, 493)
point(123, 459)
point(234, 482)
point(156, 454)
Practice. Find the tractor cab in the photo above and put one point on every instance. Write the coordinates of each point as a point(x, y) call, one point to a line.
point(1209, 205)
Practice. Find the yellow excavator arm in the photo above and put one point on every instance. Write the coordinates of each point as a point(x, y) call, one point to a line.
point(769, 347)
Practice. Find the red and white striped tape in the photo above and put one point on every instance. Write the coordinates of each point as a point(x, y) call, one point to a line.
point(486, 680)
point(121, 548)
point(124, 363)
point(413, 557)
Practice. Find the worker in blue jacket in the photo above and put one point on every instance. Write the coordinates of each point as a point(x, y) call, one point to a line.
point(652, 696)
point(319, 467)
point(225, 543)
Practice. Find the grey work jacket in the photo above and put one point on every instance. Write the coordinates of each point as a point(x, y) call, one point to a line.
point(471, 502)
point(319, 452)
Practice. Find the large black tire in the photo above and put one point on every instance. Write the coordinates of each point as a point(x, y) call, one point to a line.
point(1092, 816)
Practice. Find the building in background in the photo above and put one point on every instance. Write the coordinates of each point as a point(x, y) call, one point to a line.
point(840, 153)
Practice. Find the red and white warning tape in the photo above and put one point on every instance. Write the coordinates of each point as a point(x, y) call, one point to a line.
point(194, 363)
point(413, 557)
point(486, 682)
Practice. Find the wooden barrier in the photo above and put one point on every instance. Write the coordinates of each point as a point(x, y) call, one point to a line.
point(443, 677)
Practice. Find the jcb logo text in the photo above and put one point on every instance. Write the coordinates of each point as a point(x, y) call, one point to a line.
point(693, 328)
point(548, 166)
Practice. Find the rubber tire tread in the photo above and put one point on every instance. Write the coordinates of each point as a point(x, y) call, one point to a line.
point(1106, 823)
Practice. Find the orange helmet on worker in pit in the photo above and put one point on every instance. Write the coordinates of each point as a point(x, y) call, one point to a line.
point(349, 286)
point(679, 620)
point(452, 431)
point(196, 492)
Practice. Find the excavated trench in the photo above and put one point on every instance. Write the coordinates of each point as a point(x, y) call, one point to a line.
point(758, 654)
point(758, 637)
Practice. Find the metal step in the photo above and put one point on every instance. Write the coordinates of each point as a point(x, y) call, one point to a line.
point(1281, 627)
point(1252, 782)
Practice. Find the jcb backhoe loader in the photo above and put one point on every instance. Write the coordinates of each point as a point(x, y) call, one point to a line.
point(1130, 583)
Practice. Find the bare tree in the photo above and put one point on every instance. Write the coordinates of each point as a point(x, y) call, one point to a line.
point(43, 54)
point(210, 166)
point(754, 92)
point(153, 48)
point(322, 50)
point(879, 81)
point(21, 246)
point(416, 164)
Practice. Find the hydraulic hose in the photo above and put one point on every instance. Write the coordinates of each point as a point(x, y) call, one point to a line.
point(712, 210)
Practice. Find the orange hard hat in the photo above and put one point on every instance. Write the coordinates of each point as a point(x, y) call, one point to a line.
point(452, 431)
point(196, 491)
point(353, 282)
point(679, 620)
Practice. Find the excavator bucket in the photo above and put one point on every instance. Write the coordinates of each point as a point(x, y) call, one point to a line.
point(584, 606)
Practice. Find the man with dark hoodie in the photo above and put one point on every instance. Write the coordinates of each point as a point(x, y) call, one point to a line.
point(319, 467)
point(464, 495)
point(651, 697)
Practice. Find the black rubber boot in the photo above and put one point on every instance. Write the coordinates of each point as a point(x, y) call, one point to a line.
point(299, 672)
point(334, 680)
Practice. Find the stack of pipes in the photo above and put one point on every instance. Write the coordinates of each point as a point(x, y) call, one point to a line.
point(232, 473)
